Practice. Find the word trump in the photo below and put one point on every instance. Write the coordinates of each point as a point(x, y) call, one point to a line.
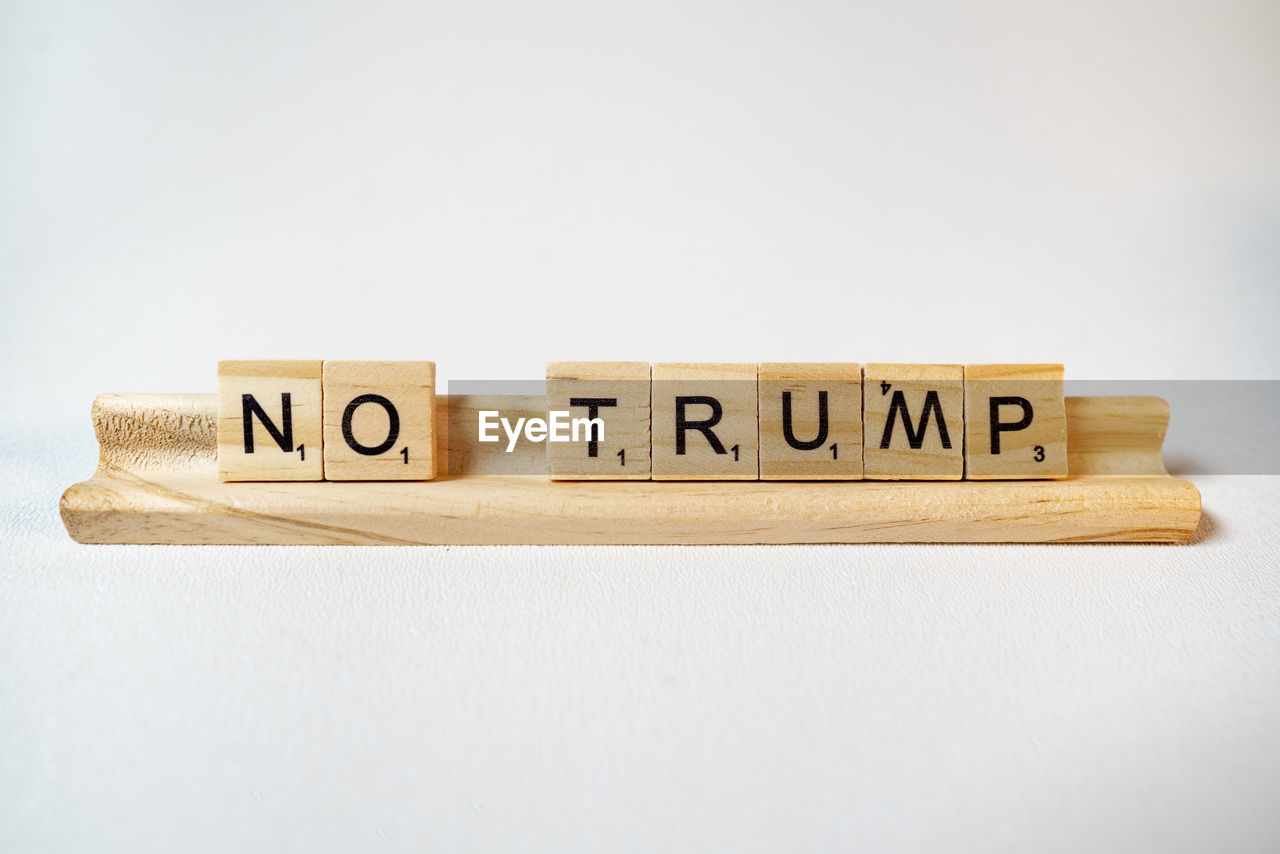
point(798, 421)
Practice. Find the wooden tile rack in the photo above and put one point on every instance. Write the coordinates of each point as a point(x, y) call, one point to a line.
point(157, 482)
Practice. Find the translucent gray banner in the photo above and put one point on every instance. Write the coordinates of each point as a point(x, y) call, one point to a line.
point(1215, 426)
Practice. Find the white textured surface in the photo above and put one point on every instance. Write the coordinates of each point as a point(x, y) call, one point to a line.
point(1108, 698)
point(491, 185)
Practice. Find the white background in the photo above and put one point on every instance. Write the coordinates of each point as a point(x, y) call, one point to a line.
point(494, 185)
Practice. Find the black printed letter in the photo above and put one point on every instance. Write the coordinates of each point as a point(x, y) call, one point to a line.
point(915, 438)
point(683, 423)
point(393, 430)
point(998, 426)
point(822, 423)
point(250, 407)
point(593, 405)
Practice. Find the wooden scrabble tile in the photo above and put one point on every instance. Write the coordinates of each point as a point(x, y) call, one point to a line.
point(379, 420)
point(270, 420)
point(1015, 422)
point(705, 422)
point(810, 421)
point(913, 422)
point(615, 393)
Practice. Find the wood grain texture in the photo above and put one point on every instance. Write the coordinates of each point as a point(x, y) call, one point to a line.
point(1026, 397)
point(150, 432)
point(1116, 435)
point(158, 484)
point(459, 450)
point(288, 395)
point(720, 394)
point(360, 397)
point(623, 451)
point(899, 400)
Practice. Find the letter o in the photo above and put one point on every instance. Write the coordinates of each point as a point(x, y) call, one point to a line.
point(393, 431)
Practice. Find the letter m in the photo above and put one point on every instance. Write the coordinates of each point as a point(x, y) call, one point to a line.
point(915, 437)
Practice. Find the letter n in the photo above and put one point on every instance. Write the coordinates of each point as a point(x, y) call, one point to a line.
point(251, 409)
